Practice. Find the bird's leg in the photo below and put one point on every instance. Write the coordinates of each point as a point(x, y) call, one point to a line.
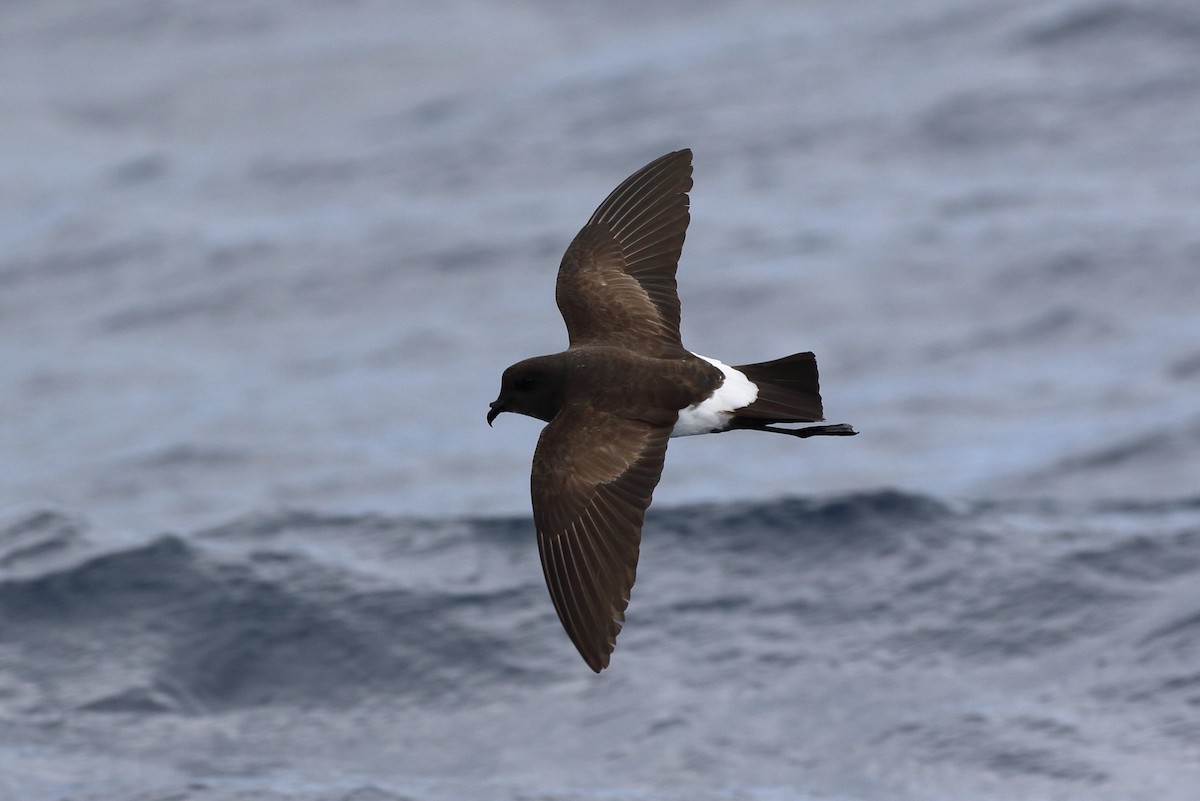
point(836, 430)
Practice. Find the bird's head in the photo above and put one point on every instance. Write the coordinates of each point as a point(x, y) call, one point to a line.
point(533, 387)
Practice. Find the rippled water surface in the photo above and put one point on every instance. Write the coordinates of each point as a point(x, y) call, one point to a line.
point(261, 266)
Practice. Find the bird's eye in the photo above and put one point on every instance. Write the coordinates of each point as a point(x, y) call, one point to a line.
point(525, 383)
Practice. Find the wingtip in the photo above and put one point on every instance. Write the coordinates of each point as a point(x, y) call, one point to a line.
point(597, 661)
point(684, 155)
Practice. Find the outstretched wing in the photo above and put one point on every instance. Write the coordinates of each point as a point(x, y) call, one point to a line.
point(616, 283)
point(593, 476)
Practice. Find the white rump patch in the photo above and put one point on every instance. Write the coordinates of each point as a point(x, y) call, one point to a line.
point(713, 413)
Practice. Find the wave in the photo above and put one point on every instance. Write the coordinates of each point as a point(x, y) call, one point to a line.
point(174, 625)
point(299, 608)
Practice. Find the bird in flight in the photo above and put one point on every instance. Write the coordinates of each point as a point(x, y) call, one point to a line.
point(622, 388)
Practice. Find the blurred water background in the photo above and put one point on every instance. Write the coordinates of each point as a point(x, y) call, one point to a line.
point(261, 266)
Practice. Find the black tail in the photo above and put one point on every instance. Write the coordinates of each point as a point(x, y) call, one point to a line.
point(788, 392)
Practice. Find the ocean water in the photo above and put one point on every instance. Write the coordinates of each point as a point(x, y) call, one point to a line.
point(876, 645)
point(261, 266)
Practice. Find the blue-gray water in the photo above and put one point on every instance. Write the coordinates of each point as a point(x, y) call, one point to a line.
point(262, 264)
point(880, 645)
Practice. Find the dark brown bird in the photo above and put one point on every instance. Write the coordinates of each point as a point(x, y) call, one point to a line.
point(623, 387)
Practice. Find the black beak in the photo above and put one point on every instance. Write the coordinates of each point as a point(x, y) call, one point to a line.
point(496, 407)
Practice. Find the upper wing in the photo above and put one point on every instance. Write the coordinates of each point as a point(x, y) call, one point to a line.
point(593, 475)
point(616, 283)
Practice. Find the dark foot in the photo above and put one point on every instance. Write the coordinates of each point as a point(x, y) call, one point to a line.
point(838, 430)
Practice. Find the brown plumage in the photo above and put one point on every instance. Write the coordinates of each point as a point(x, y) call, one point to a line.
point(623, 387)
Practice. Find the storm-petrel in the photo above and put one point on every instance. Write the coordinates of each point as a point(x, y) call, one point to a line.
point(624, 386)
